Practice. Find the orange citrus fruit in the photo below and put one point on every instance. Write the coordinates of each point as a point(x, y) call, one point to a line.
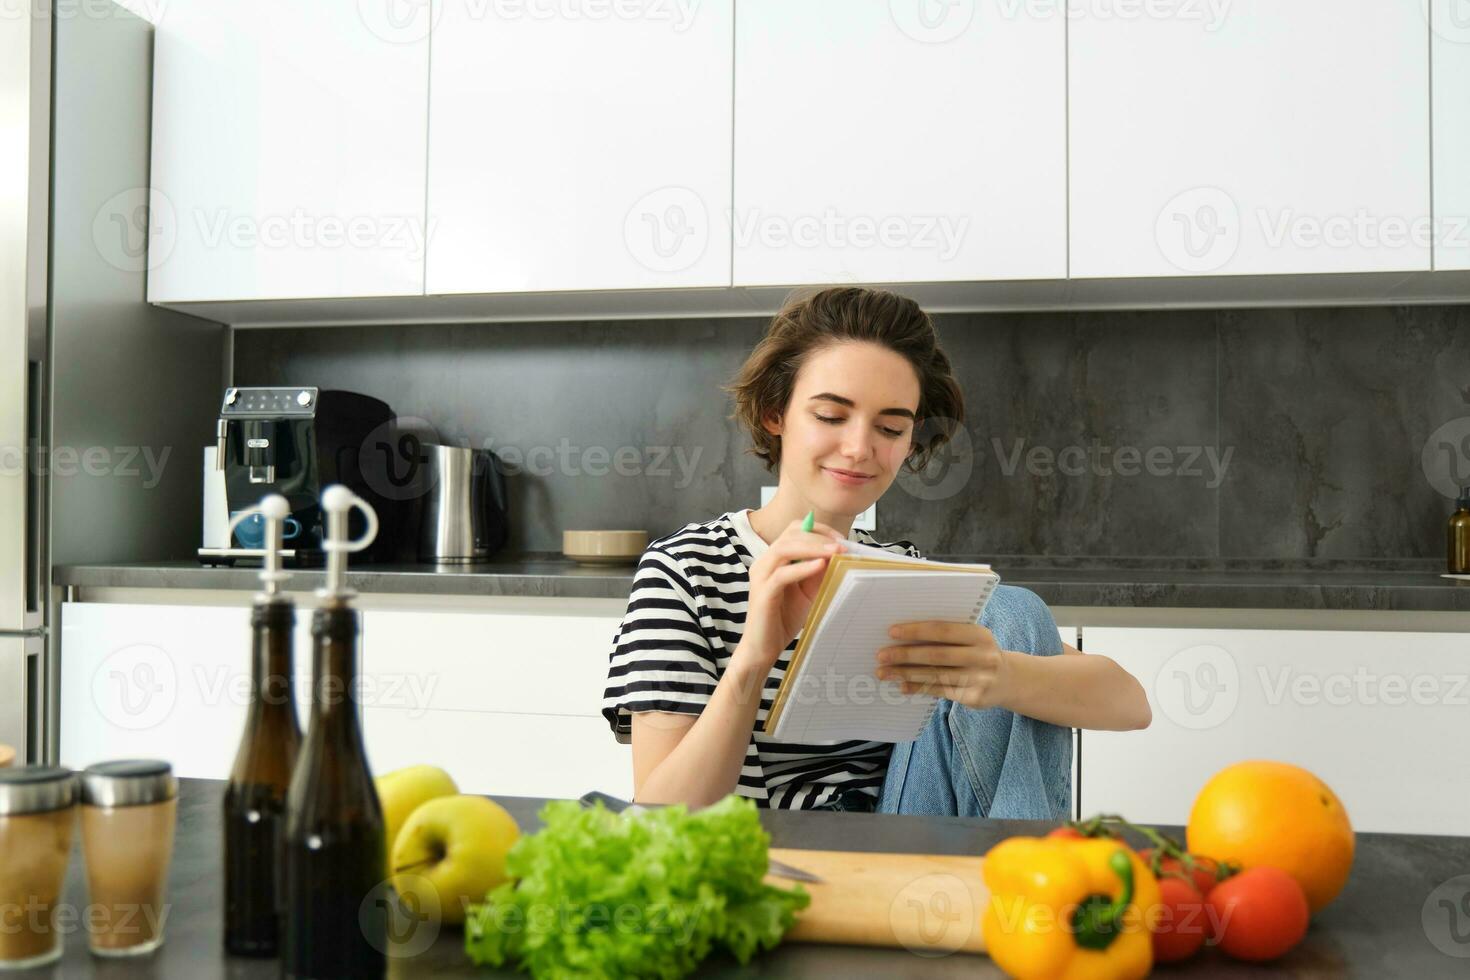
point(1279, 815)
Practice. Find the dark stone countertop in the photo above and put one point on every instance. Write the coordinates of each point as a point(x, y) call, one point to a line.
point(1401, 914)
point(1409, 585)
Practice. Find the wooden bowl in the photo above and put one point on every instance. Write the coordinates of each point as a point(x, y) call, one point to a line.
point(604, 547)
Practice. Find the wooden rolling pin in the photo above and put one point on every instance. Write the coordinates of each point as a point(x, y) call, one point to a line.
point(927, 903)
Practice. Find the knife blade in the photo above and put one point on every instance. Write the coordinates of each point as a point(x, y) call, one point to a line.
point(615, 805)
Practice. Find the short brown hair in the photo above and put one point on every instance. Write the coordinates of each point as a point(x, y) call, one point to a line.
point(842, 314)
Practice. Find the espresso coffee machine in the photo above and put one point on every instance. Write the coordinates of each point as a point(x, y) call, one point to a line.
point(294, 442)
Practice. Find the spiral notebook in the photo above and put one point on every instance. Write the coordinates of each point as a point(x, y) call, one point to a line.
point(829, 691)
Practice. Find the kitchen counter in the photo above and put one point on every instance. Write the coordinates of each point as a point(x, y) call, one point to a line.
point(1388, 922)
point(1409, 586)
point(548, 577)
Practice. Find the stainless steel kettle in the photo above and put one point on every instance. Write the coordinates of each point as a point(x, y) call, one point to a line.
point(465, 517)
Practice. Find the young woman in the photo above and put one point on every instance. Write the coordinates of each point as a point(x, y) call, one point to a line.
point(832, 397)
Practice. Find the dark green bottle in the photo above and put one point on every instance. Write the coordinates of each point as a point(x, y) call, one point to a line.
point(255, 798)
point(336, 868)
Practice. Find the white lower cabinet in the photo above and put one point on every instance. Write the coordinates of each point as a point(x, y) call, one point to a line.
point(1381, 717)
point(508, 703)
point(161, 682)
point(1069, 635)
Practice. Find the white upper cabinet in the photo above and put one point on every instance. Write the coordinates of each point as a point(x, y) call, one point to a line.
point(899, 141)
point(358, 148)
point(1224, 137)
point(288, 151)
point(1451, 59)
point(579, 146)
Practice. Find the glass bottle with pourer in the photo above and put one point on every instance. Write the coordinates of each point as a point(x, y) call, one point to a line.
point(255, 799)
point(335, 864)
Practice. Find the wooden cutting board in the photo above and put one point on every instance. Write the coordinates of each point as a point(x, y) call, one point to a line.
point(927, 903)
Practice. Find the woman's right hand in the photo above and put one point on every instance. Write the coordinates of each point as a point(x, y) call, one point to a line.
point(781, 593)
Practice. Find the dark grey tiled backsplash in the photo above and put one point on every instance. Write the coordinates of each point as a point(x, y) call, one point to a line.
point(1195, 434)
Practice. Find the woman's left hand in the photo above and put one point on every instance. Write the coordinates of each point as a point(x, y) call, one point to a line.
point(958, 661)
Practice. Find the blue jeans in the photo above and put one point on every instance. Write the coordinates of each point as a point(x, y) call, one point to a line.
point(989, 762)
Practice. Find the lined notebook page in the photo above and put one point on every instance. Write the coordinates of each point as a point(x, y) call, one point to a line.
point(861, 550)
point(835, 695)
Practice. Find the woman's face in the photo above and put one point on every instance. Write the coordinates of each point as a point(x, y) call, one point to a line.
point(849, 425)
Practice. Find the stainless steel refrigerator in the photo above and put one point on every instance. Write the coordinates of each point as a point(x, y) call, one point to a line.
point(85, 364)
point(25, 136)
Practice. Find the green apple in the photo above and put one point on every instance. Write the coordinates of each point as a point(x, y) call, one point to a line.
point(403, 791)
point(454, 846)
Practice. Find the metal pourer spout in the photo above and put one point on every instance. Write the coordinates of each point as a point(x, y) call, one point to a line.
point(273, 509)
point(337, 503)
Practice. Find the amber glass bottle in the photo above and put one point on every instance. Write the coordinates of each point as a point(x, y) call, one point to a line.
point(334, 824)
point(1459, 555)
point(335, 864)
point(255, 800)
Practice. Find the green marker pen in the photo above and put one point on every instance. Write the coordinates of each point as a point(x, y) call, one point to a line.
point(808, 523)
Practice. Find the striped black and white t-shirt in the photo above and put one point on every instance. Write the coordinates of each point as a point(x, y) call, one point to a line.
point(685, 616)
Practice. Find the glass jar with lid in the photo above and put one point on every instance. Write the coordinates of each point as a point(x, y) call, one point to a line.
point(128, 814)
point(37, 816)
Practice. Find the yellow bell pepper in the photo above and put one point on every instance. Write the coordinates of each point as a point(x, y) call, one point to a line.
point(1068, 909)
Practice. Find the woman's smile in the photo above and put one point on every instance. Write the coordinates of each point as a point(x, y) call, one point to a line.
point(847, 478)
